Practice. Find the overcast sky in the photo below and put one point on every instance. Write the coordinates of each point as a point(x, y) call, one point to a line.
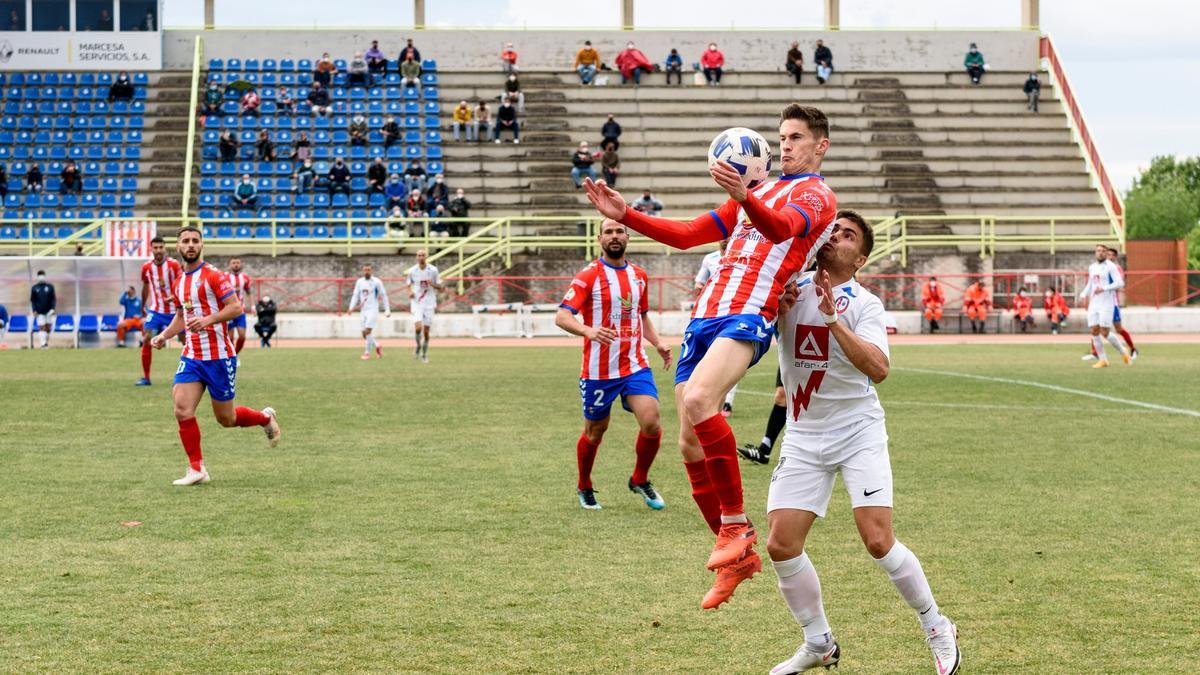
point(1129, 64)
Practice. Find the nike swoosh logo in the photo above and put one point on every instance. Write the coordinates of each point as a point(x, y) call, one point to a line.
point(927, 609)
point(868, 494)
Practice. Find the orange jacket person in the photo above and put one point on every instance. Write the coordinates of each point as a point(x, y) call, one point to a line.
point(1056, 309)
point(1022, 306)
point(976, 303)
point(933, 299)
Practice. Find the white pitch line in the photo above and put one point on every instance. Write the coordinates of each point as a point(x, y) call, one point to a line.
point(1054, 387)
point(888, 402)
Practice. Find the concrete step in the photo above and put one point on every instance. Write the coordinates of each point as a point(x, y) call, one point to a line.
point(823, 97)
point(587, 112)
point(542, 177)
point(741, 79)
point(766, 124)
point(632, 164)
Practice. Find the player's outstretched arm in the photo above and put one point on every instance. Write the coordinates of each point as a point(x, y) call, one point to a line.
point(703, 230)
point(565, 319)
point(175, 328)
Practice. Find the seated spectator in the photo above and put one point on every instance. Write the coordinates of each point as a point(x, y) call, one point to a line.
point(265, 147)
point(377, 175)
point(318, 98)
point(611, 132)
point(121, 88)
point(610, 164)
point(3, 182)
point(339, 177)
point(632, 63)
point(974, 63)
point(227, 145)
point(70, 179)
point(1033, 90)
point(1022, 306)
point(213, 98)
point(305, 177)
point(395, 192)
point(415, 207)
point(410, 72)
point(397, 227)
point(414, 176)
point(512, 90)
point(483, 118)
point(409, 51)
point(581, 164)
point(324, 71)
point(33, 178)
point(506, 120)
point(249, 103)
point(286, 105)
point(264, 324)
point(438, 192)
point(357, 74)
point(508, 59)
point(587, 62)
point(359, 130)
point(976, 303)
point(376, 61)
point(15, 21)
point(823, 61)
point(713, 62)
point(301, 147)
point(674, 66)
point(460, 207)
point(390, 130)
point(795, 61)
point(245, 193)
point(439, 228)
point(131, 315)
point(462, 122)
point(647, 204)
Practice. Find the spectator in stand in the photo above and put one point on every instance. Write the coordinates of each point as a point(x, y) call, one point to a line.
point(610, 164)
point(15, 21)
point(506, 120)
point(795, 61)
point(394, 192)
point(409, 51)
point(974, 63)
point(415, 206)
point(933, 299)
point(357, 71)
point(1055, 306)
point(318, 98)
point(712, 61)
point(438, 192)
point(33, 178)
point(581, 164)
point(587, 62)
point(286, 104)
point(632, 63)
point(414, 177)
point(227, 145)
point(438, 228)
point(3, 182)
point(70, 179)
point(462, 122)
point(301, 147)
point(512, 90)
point(131, 315)
point(305, 177)
point(483, 118)
point(376, 61)
point(213, 98)
point(324, 71)
point(674, 66)
point(265, 310)
point(339, 177)
point(410, 72)
point(976, 303)
point(647, 204)
point(245, 193)
point(1022, 307)
point(460, 207)
point(611, 132)
point(265, 147)
point(397, 227)
point(1033, 90)
point(508, 59)
point(823, 62)
point(358, 130)
point(249, 103)
point(104, 22)
point(377, 175)
point(121, 88)
point(391, 131)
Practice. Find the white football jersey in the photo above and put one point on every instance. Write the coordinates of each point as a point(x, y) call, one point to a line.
point(368, 293)
point(825, 391)
point(420, 282)
point(708, 267)
point(1104, 275)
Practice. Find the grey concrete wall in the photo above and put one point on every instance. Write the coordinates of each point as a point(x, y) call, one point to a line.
point(744, 50)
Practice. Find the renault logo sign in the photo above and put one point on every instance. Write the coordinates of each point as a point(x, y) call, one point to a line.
point(6, 51)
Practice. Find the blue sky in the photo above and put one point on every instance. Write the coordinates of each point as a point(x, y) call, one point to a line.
point(1129, 68)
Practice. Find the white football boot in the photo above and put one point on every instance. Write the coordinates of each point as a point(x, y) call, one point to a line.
point(193, 477)
point(272, 427)
point(943, 642)
point(807, 658)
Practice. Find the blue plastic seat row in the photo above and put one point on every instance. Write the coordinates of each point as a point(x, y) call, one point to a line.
point(36, 79)
point(291, 65)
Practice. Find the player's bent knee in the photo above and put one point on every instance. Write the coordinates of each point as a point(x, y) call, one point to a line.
point(699, 404)
point(782, 546)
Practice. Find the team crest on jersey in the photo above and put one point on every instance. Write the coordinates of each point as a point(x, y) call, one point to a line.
point(626, 303)
point(842, 304)
point(812, 343)
point(570, 294)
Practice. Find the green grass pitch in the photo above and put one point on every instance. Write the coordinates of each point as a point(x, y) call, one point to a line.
point(423, 519)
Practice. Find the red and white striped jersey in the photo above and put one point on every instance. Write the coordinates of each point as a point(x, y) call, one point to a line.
point(200, 293)
point(241, 284)
point(160, 279)
point(753, 270)
point(603, 295)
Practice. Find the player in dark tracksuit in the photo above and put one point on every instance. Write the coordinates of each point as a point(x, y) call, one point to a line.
point(41, 298)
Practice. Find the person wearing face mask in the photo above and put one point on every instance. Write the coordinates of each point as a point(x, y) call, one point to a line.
point(437, 194)
point(212, 100)
point(43, 302)
point(611, 133)
point(632, 63)
point(508, 59)
point(974, 64)
point(933, 299)
point(460, 207)
point(1022, 306)
point(587, 62)
point(512, 89)
point(265, 325)
point(674, 66)
point(823, 61)
point(395, 192)
point(712, 61)
point(581, 164)
point(1033, 90)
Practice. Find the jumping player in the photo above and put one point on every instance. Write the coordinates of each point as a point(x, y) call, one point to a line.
point(423, 283)
point(1104, 279)
point(207, 303)
point(158, 278)
point(773, 232)
point(609, 295)
point(709, 266)
point(241, 285)
point(830, 341)
point(368, 292)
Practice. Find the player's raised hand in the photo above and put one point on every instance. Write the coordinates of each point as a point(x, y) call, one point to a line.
point(825, 292)
point(729, 179)
point(665, 352)
point(607, 201)
point(788, 298)
point(604, 335)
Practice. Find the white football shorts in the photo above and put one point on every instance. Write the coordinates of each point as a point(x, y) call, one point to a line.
point(1100, 314)
point(423, 312)
point(809, 462)
point(370, 318)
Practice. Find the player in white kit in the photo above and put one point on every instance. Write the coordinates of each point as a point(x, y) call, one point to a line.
point(423, 283)
point(368, 294)
point(1104, 279)
point(709, 266)
point(832, 346)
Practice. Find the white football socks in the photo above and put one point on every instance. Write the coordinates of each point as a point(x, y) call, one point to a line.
point(370, 344)
point(1098, 344)
point(43, 338)
point(1116, 341)
point(729, 396)
point(905, 571)
point(801, 590)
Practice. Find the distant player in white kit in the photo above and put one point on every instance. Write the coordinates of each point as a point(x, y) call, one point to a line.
point(423, 283)
point(368, 294)
point(710, 265)
point(832, 346)
point(1104, 279)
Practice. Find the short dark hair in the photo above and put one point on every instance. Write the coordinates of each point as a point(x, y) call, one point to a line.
point(816, 120)
point(1113, 250)
point(190, 228)
point(40, 272)
point(868, 235)
point(158, 240)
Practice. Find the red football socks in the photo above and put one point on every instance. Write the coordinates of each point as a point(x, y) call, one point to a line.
point(241, 342)
point(647, 450)
point(249, 417)
point(1128, 338)
point(147, 354)
point(189, 433)
point(703, 493)
point(720, 456)
point(585, 456)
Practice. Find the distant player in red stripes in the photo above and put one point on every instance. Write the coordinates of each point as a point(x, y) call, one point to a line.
point(606, 305)
point(774, 231)
point(241, 285)
point(158, 306)
point(207, 303)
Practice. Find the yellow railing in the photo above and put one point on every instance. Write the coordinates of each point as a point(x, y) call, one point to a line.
point(197, 57)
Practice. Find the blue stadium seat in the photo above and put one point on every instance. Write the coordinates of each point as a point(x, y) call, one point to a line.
point(216, 64)
point(429, 65)
point(89, 324)
point(108, 323)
